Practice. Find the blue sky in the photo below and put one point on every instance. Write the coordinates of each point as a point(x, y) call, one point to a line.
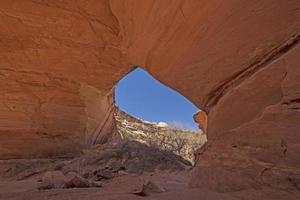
point(142, 96)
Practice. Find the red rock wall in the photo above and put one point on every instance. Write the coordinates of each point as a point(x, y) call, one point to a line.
point(254, 141)
point(58, 68)
point(237, 60)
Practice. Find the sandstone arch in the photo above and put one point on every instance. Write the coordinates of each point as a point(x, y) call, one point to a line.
point(237, 60)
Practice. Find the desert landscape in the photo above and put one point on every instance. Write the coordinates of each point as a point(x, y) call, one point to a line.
point(62, 135)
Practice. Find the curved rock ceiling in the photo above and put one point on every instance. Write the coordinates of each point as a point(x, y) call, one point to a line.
point(237, 60)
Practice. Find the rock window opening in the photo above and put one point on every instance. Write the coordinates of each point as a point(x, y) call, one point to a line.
point(160, 119)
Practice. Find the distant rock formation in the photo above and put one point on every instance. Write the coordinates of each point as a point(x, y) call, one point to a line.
point(183, 143)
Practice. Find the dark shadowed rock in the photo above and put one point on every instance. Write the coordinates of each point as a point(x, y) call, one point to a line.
point(149, 187)
point(73, 180)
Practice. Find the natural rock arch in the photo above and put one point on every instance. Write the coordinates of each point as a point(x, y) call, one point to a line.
point(235, 60)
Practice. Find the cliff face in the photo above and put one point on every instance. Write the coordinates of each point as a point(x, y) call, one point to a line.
point(237, 60)
point(183, 143)
point(259, 141)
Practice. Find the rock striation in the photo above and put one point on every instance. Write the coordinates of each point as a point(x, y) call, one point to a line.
point(236, 60)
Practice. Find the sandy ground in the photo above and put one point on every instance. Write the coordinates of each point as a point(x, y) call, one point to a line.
point(122, 188)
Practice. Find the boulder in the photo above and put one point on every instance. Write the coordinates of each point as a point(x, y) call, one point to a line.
point(53, 180)
point(73, 180)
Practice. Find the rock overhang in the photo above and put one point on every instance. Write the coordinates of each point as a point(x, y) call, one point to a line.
point(61, 60)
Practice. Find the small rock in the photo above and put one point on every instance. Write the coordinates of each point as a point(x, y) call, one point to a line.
point(71, 166)
point(116, 165)
point(95, 184)
point(88, 174)
point(151, 187)
point(106, 155)
point(148, 188)
point(103, 174)
point(52, 180)
point(122, 172)
point(73, 180)
point(59, 166)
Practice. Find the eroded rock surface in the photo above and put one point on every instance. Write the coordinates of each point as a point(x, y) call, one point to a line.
point(138, 151)
point(237, 60)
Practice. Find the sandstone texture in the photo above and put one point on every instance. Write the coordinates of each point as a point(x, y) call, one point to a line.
point(236, 60)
